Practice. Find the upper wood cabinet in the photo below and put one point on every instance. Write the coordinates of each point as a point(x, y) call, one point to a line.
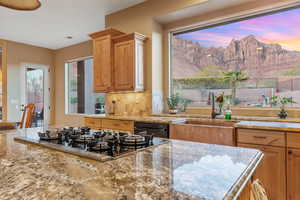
point(129, 62)
point(103, 59)
point(118, 61)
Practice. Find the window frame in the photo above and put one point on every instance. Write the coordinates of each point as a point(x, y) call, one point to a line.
point(244, 15)
point(3, 45)
point(66, 85)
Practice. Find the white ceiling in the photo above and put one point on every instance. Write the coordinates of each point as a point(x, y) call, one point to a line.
point(56, 19)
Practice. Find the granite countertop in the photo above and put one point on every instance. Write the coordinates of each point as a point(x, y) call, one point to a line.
point(150, 119)
point(278, 126)
point(182, 117)
point(234, 117)
point(175, 170)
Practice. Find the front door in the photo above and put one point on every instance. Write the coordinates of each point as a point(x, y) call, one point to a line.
point(36, 92)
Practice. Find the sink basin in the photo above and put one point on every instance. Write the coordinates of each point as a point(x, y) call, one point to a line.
point(212, 131)
point(211, 122)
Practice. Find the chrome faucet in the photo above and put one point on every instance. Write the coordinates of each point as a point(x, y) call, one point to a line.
point(214, 114)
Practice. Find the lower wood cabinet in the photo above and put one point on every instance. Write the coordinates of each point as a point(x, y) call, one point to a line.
point(203, 133)
point(94, 123)
point(261, 137)
point(122, 125)
point(272, 171)
point(246, 193)
point(115, 124)
point(293, 174)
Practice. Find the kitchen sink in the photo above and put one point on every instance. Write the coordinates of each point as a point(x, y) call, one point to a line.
point(211, 122)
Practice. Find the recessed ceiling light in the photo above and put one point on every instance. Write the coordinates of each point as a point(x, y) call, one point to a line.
point(69, 37)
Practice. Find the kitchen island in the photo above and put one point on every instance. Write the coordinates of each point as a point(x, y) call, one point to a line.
point(174, 170)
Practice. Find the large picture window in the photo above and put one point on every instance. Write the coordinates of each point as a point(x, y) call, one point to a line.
point(80, 98)
point(249, 60)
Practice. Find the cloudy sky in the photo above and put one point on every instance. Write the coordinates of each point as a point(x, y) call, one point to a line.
point(282, 28)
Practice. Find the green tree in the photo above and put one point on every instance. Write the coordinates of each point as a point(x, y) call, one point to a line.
point(234, 77)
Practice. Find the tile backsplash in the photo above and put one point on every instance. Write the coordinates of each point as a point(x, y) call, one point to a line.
point(130, 103)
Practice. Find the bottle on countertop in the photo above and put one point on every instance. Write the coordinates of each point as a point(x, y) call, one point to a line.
point(228, 114)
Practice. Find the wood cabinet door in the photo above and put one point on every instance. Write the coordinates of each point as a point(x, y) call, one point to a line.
point(246, 193)
point(293, 174)
point(94, 123)
point(102, 64)
point(120, 125)
point(272, 171)
point(124, 66)
point(261, 137)
point(203, 133)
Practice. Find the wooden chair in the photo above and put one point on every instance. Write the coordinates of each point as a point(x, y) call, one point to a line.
point(27, 116)
point(258, 192)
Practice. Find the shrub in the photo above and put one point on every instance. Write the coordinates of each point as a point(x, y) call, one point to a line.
point(200, 83)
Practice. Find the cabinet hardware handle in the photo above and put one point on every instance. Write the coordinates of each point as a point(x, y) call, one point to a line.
point(260, 137)
point(290, 152)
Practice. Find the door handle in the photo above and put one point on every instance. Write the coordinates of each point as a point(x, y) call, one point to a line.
point(260, 137)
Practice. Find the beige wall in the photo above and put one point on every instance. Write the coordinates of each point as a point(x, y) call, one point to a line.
point(61, 56)
point(18, 53)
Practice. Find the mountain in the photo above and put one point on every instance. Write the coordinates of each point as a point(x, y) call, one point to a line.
point(257, 58)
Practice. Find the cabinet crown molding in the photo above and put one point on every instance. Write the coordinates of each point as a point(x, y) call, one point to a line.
point(109, 31)
point(131, 36)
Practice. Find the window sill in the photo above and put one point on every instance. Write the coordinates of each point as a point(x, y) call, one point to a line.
point(246, 111)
